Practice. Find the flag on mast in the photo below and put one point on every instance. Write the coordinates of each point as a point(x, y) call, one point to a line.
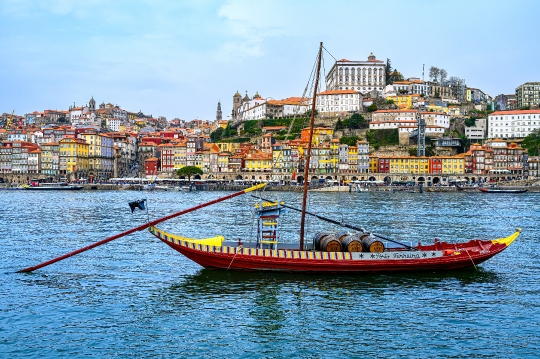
point(137, 204)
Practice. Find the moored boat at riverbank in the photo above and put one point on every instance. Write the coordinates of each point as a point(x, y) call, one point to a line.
point(502, 190)
point(53, 187)
point(219, 254)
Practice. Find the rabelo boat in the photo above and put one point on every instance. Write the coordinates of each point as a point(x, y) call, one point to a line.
point(345, 252)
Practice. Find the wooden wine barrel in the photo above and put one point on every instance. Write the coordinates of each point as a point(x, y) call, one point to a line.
point(341, 235)
point(317, 239)
point(352, 243)
point(372, 244)
point(330, 244)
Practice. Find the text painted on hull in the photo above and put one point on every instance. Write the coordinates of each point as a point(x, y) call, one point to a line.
point(397, 255)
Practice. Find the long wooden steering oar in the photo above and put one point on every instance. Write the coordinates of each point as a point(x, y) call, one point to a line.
point(140, 228)
point(342, 224)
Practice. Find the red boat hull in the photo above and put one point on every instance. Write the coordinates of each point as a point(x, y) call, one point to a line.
point(440, 256)
point(497, 190)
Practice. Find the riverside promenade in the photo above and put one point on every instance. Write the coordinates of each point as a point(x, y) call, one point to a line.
point(531, 187)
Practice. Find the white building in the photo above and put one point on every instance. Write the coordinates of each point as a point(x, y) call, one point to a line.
point(260, 108)
point(18, 135)
point(513, 124)
point(363, 76)
point(413, 85)
point(405, 120)
point(34, 161)
point(478, 131)
point(332, 101)
point(114, 124)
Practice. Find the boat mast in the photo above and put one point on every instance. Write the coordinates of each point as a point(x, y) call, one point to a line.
point(308, 154)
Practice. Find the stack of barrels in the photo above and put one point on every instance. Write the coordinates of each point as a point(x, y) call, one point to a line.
point(347, 242)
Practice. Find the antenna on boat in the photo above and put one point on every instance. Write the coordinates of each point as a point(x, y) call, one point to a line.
point(308, 155)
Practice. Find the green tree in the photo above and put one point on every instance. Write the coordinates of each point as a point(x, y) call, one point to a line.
point(470, 122)
point(532, 142)
point(355, 121)
point(388, 72)
point(397, 76)
point(216, 135)
point(189, 171)
point(349, 140)
point(371, 108)
point(227, 132)
point(339, 125)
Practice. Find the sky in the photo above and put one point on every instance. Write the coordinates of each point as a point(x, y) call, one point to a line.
point(179, 58)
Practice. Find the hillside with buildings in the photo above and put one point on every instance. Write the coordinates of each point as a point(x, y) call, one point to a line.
point(369, 120)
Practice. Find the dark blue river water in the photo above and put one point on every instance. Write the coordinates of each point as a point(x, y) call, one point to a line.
point(137, 298)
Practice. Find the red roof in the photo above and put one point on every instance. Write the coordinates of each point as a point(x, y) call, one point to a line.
point(516, 112)
point(335, 92)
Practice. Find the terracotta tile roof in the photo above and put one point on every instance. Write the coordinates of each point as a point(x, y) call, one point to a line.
point(392, 111)
point(338, 92)
point(515, 112)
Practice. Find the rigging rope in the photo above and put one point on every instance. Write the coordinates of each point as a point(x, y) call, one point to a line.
point(500, 215)
point(329, 53)
point(297, 111)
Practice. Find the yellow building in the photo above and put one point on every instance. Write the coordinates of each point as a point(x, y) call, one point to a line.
point(404, 102)
point(409, 165)
point(141, 122)
point(180, 156)
point(373, 164)
point(278, 159)
point(73, 157)
point(223, 162)
point(435, 108)
point(419, 165)
point(320, 135)
point(50, 159)
point(93, 140)
point(398, 164)
point(227, 146)
point(468, 95)
point(258, 162)
point(453, 164)
point(334, 155)
point(353, 158)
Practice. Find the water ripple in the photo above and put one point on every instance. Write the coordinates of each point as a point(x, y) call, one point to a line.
point(135, 297)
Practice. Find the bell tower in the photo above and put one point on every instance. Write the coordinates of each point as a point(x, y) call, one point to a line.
point(219, 116)
point(92, 104)
point(237, 102)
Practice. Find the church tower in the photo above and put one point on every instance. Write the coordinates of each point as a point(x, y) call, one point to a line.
point(237, 102)
point(219, 116)
point(92, 104)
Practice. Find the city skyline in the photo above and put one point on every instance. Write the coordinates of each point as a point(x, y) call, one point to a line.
point(180, 59)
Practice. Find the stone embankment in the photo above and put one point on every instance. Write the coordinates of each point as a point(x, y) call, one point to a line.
point(286, 188)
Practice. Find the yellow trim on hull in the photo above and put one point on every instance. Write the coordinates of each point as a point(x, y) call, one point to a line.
point(508, 240)
point(216, 241)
